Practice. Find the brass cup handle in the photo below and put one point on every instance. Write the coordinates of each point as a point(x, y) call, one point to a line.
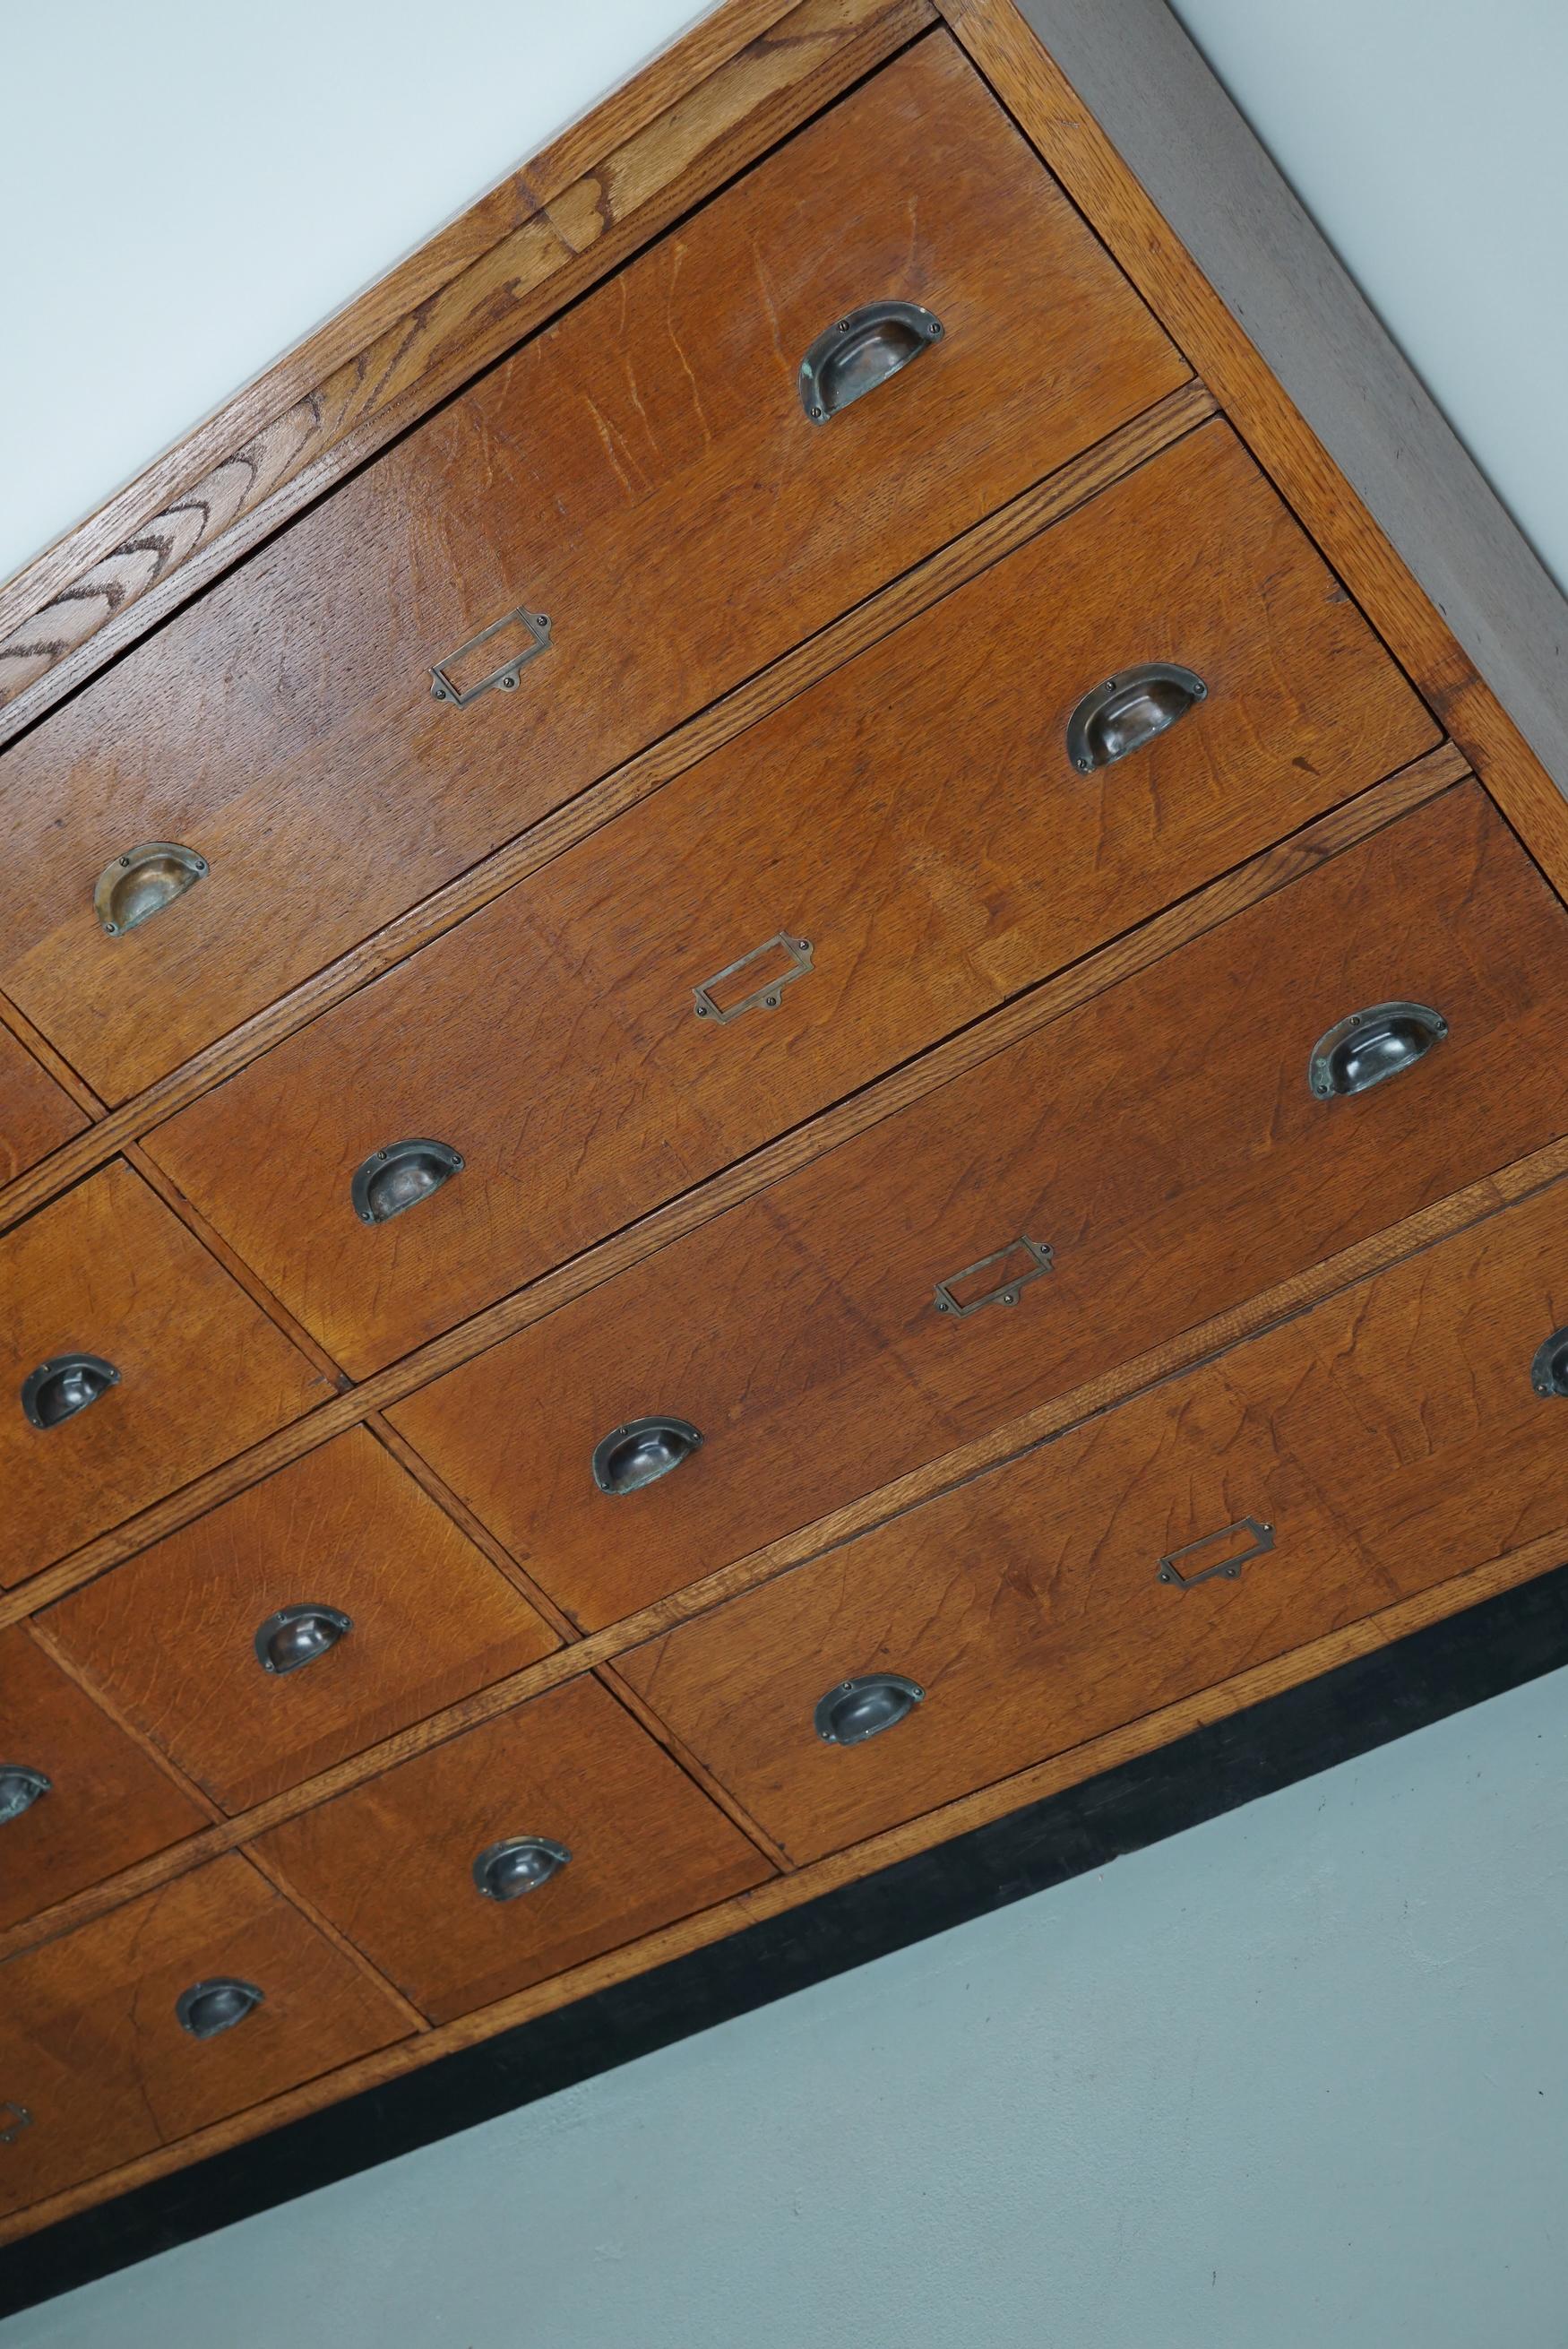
point(133, 888)
point(1126, 712)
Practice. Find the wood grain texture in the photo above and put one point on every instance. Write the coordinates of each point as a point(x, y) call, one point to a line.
point(1146, 71)
point(1390, 1438)
point(89, 2043)
point(713, 103)
point(914, 592)
point(170, 1637)
point(1162, 1139)
point(1257, 879)
point(108, 1803)
point(794, 1887)
point(391, 1862)
point(37, 1115)
point(619, 473)
point(915, 817)
point(109, 1270)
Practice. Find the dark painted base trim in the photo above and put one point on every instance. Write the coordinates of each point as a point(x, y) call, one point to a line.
point(1497, 1645)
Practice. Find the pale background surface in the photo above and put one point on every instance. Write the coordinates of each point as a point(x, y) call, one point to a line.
point(1297, 2078)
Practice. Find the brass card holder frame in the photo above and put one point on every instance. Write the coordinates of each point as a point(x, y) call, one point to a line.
point(1228, 1567)
point(444, 686)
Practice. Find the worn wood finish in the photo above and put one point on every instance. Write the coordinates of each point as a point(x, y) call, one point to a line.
point(170, 1636)
point(1162, 1140)
point(109, 1270)
point(1141, 68)
point(793, 1889)
point(108, 1803)
point(1390, 1438)
point(91, 2046)
point(37, 1115)
point(915, 817)
point(717, 100)
point(1246, 886)
point(618, 474)
point(391, 1862)
point(915, 591)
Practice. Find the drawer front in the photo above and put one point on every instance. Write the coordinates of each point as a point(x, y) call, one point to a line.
point(78, 1798)
point(392, 1863)
point(283, 728)
point(36, 1114)
point(915, 821)
point(93, 2052)
point(1389, 1440)
point(107, 1280)
point(186, 1640)
point(1162, 1141)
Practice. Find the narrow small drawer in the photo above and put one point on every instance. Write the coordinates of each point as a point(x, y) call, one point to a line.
point(78, 1798)
point(886, 858)
point(36, 1114)
point(1389, 1440)
point(132, 1363)
point(641, 488)
point(303, 1621)
point(565, 1801)
point(96, 2064)
point(1144, 1161)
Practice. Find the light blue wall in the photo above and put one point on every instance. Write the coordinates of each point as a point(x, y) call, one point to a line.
point(1425, 137)
point(1299, 2077)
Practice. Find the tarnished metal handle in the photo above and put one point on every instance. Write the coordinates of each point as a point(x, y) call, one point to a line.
point(517, 1864)
point(852, 1711)
point(20, 1788)
point(398, 1177)
point(642, 1451)
point(65, 1385)
point(1125, 712)
point(296, 1636)
point(861, 350)
point(1371, 1045)
point(133, 887)
point(208, 2007)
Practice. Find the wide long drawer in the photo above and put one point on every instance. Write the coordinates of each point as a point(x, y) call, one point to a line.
point(644, 476)
point(1388, 1441)
point(142, 2027)
point(1162, 1142)
point(301, 1622)
point(908, 844)
point(131, 1363)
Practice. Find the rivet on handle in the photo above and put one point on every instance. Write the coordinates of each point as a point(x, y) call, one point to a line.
point(854, 1710)
point(1125, 712)
point(20, 1788)
point(58, 1388)
point(861, 350)
point(133, 887)
point(1369, 1047)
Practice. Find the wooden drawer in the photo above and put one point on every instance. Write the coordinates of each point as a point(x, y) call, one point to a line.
point(92, 2051)
point(391, 1864)
point(645, 475)
point(107, 1272)
point(1162, 1140)
point(36, 1114)
point(172, 1637)
point(105, 1803)
point(1390, 1439)
point(915, 819)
